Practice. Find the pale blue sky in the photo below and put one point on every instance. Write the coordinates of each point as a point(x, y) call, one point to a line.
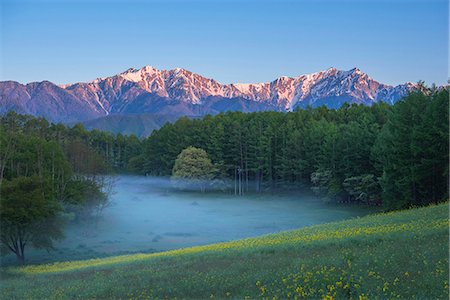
point(231, 41)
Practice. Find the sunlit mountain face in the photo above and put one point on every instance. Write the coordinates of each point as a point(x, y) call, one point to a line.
point(179, 92)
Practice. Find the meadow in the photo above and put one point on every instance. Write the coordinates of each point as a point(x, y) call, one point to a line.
point(392, 255)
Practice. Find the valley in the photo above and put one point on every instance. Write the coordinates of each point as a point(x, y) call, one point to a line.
point(150, 215)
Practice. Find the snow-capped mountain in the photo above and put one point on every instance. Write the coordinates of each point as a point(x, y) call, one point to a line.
point(285, 92)
point(180, 92)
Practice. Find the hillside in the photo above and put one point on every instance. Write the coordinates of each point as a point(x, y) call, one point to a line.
point(357, 258)
point(141, 125)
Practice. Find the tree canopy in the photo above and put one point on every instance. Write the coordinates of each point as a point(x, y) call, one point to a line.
point(28, 215)
point(193, 166)
point(47, 169)
point(395, 155)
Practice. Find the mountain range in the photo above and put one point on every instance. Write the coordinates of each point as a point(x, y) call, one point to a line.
point(169, 94)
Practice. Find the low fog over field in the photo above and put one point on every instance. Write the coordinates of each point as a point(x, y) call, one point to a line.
point(147, 214)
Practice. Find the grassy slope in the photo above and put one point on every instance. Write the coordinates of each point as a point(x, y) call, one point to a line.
point(402, 254)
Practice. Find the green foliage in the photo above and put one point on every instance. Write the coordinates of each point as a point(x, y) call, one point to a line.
point(47, 164)
point(84, 159)
point(28, 215)
point(27, 154)
point(273, 150)
point(355, 259)
point(82, 191)
point(403, 147)
point(412, 151)
point(321, 181)
point(136, 163)
point(112, 151)
point(193, 166)
point(85, 198)
point(364, 188)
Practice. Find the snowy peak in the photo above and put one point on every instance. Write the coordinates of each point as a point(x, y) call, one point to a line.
point(137, 75)
point(179, 92)
point(286, 92)
point(177, 84)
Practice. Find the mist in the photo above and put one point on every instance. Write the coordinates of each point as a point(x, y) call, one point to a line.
point(151, 214)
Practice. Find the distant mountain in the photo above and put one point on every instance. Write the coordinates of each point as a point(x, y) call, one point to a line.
point(140, 125)
point(179, 92)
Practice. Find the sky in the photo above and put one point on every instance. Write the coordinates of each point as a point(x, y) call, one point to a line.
point(64, 41)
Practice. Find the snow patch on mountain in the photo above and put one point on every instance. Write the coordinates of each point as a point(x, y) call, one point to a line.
point(181, 92)
point(285, 92)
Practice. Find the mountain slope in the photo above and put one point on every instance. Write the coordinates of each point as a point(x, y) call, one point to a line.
point(47, 100)
point(182, 93)
point(284, 92)
point(395, 255)
point(141, 125)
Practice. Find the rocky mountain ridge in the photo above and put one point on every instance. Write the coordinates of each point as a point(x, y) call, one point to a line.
point(180, 92)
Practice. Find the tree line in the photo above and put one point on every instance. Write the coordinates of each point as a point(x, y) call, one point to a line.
point(49, 172)
point(380, 154)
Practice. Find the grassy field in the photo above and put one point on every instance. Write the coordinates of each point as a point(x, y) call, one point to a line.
point(394, 255)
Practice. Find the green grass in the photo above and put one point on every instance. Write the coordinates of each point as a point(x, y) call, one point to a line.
point(395, 255)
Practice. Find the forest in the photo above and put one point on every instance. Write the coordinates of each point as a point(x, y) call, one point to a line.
point(394, 156)
point(51, 174)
